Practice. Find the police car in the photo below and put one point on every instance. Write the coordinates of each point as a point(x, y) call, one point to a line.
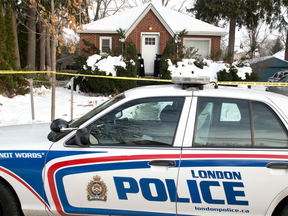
point(183, 149)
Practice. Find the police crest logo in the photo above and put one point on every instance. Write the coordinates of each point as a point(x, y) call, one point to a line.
point(97, 190)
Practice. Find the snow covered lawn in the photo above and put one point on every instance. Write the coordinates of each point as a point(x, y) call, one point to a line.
point(17, 110)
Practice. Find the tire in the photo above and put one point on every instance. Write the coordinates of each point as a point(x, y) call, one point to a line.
point(284, 211)
point(9, 203)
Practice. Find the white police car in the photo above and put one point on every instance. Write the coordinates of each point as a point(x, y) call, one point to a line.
point(160, 150)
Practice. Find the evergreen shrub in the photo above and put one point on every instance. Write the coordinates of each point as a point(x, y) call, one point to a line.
point(107, 85)
point(10, 84)
point(13, 84)
point(129, 71)
point(41, 80)
point(231, 75)
point(174, 51)
point(198, 64)
point(91, 48)
point(165, 73)
point(191, 52)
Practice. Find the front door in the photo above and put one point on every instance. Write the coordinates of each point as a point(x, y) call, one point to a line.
point(150, 47)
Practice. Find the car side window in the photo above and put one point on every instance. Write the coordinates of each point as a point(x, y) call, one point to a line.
point(151, 121)
point(283, 80)
point(227, 123)
point(268, 130)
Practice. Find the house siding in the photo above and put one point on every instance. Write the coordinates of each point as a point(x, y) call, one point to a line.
point(143, 26)
point(94, 38)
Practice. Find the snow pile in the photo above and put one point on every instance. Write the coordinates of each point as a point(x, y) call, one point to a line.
point(184, 68)
point(107, 64)
point(92, 60)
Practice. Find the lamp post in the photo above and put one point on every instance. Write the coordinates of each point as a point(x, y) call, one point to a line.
point(122, 40)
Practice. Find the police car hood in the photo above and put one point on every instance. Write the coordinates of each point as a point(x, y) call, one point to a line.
point(24, 135)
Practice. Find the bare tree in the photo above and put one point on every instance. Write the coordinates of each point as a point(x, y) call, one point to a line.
point(165, 2)
point(177, 5)
point(254, 41)
point(97, 9)
point(42, 46)
point(265, 49)
point(135, 3)
point(31, 23)
point(87, 2)
point(181, 6)
point(48, 50)
point(103, 8)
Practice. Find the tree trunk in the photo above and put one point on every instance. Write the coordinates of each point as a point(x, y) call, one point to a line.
point(286, 47)
point(53, 63)
point(42, 46)
point(231, 40)
point(96, 17)
point(87, 11)
point(48, 51)
point(31, 49)
point(13, 14)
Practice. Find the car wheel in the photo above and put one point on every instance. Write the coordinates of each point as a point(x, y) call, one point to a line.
point(284, 211)
point(9, 204)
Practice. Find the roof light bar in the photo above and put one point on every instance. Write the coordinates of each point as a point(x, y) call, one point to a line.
point(202, 80)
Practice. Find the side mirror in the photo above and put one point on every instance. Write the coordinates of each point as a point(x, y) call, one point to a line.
point(57, 124)
point(118, 115)
point(82, 137)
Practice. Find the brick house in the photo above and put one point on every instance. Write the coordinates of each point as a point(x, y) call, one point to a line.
point(149, 26)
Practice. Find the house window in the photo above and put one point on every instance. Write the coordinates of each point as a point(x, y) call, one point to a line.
point(105, 44)
point(203, 45)
point(149, 41)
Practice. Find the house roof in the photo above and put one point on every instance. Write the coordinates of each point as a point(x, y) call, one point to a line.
point(172, 20)
point(279, 55)
point(67, 58)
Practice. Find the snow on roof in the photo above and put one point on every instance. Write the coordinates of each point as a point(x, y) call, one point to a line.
point(173, 21)
point(279, 55)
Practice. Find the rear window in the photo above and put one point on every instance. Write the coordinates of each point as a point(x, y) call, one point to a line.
point(237, 123)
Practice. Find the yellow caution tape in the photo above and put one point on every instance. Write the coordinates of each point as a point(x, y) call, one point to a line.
point(84, 75)
point(145, 79)
point(251, 83)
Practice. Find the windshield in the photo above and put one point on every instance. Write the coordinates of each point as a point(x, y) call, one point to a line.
point(283, 80)
point(96, 110)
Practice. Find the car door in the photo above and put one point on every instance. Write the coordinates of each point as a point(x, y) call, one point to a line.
point(130, 166)
point(233, 166)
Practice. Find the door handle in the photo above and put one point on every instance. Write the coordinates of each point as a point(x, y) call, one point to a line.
point(277, 165)
point(162, 163)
